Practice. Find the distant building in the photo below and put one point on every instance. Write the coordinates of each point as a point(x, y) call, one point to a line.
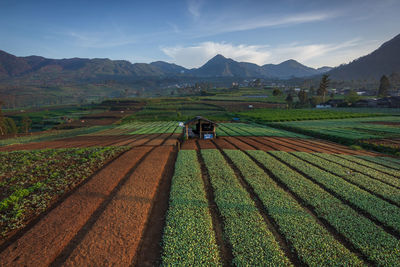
point(204, 128)
point(335, 103)
point(364, 103)
point(389, 102)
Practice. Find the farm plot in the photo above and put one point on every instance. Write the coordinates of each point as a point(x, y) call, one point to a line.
point(317, 211)
point(346, 130)
point(53, 135)
point(244, 129)
point(109, 212)
point(32, 180)
point(227, 202)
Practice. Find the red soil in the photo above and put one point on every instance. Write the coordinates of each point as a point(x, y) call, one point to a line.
point(189, 145)
point(172, 140)
point(42, 243)
point(140, 141)
point(223, 144)
point(275, 146)
point(342, 149)
point(158, 140)
point(206, 144)
point(284, 142)
point(114, 238)
point(238, 143)
point(256, 144)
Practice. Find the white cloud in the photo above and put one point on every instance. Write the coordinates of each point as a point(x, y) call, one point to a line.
point(194, 7)
point(250, 24)
point(315, 55)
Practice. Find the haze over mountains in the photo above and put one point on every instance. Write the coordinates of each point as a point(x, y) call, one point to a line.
point(384, 60)
point(81, 68)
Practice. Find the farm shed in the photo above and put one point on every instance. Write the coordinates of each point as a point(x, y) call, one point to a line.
point(204, 128)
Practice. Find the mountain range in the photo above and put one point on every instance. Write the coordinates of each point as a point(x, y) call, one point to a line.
point(384, 60)
point(88, 69)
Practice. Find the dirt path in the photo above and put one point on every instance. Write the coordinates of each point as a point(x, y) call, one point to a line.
point(115, 236)
point(41, 244)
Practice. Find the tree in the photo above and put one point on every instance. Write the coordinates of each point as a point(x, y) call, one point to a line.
point(352, 97)
point(303, 97)
point(26, 124)
point(384, 86)
point(10, 126)
point(312, 90)
point(276, 92)
point(2, 122)
point(289, 100)
point(323, 86)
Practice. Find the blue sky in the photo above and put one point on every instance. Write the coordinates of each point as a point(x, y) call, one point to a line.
point(188, 33)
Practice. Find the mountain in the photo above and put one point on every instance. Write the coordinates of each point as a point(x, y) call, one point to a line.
point(73, 68)
point(169, 68)
point(384, 60)
point(86, 70)
point(289, 68)
point(219, 66)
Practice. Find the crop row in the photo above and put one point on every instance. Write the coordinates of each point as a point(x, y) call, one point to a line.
point(313, 243)
point(370, 184)
point(244, 227)
point(243, 129)
point(268, 115)
point(346, 130)
point(371, 172)
point(31, 180)
point(150, 127)
point(376, 244)
point(381, 210)
point(386, 161)
point(372, 165)
point(53, 135)
point(188, 237)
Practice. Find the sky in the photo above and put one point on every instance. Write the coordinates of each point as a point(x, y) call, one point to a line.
point(189, 32)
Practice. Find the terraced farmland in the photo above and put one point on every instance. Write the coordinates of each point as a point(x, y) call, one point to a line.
point(254, 196)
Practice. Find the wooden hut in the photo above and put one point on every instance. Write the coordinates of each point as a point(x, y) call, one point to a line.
point(204, 128)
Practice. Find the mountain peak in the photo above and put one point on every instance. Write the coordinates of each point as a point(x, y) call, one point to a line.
point(384, 60)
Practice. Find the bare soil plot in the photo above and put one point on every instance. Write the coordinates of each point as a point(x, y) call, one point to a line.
point(237, 143)
point(206, 144)
point(115, 236)
point(223, 144)
point(189, 145)
point(44, 241)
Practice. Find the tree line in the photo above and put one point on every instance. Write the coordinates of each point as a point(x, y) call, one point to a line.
point(8, 126)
